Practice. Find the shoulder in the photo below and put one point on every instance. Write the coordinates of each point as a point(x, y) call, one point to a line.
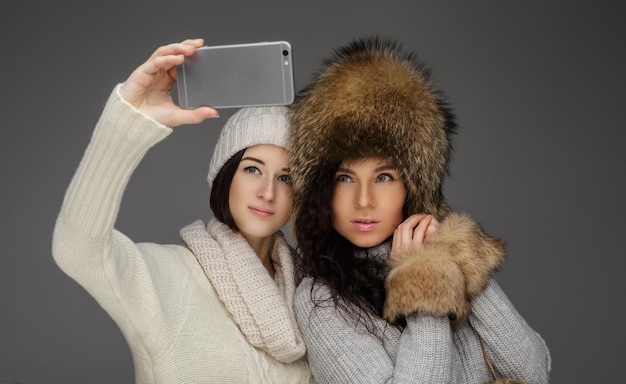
point(313, 295)
point(303, 289)
point(308, 285)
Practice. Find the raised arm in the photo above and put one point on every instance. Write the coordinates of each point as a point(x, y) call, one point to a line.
point(134, 119)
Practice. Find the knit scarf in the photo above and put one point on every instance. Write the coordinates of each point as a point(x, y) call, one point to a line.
point(260, 306)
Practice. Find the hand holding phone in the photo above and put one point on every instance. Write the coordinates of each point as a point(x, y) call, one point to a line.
point(234, 76)
point(148, 88)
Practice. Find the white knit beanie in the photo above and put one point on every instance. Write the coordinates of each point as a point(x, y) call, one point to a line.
point(248, 127)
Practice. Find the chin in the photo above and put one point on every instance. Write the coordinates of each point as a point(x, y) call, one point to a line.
point(257, 231)
point(366, 243)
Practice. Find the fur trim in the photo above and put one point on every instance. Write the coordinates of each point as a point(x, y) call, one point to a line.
point(425, 281)
point(477, 254)
point(373, 99)
point(505, 381)
point(440, 277)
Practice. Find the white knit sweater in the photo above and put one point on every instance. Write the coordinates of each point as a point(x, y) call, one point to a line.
point(177, 325)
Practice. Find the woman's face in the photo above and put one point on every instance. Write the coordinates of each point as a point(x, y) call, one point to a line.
point(368, 200)
point(260, 192)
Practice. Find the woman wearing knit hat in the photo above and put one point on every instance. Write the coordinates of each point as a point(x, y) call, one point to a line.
point(396, 287)
point(217, 309)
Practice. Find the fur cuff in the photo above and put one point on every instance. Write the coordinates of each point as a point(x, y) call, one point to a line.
point(477, 254)
point(441, 276)
point(425, 282)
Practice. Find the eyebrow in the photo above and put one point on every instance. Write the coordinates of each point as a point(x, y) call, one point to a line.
point(378, 169)
point(262, 162)
point(253, 159)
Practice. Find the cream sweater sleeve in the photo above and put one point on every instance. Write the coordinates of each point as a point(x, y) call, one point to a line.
point(120, 140)
point(85, 245)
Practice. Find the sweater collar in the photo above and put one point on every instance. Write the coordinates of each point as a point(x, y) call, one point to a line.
point(261, 307)
point(379, 252)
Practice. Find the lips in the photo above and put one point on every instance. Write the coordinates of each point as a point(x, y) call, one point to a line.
point(260, 211)
point(364, 224)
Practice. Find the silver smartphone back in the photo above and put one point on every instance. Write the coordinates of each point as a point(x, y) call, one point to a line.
point(240, 75)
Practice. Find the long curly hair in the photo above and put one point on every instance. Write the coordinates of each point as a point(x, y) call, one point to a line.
point(356, 281)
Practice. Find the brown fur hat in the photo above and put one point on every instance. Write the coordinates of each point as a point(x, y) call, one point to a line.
point(373, 99)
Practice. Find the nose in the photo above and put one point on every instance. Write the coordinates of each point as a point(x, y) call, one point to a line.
point(266, 190)
point(365, 196)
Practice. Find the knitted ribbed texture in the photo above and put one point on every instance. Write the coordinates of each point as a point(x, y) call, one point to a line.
point(177, 328)
point(427, 350)
point(254, 300)
point(124, 136)
point(505, 333)
point(248, 127)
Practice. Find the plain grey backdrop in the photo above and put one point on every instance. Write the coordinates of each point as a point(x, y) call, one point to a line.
point(538, 88)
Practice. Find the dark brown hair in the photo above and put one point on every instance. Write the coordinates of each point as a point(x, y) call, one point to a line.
point(356, 283)
point(220, 192)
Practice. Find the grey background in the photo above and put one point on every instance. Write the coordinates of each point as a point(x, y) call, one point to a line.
point(539, 93)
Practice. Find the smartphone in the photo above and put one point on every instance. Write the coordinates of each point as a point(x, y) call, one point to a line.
point(239, 75)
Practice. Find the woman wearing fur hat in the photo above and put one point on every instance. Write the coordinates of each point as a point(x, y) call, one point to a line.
point(217, 309)
point(396, 287)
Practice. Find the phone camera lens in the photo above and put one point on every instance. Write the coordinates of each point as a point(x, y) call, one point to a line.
point(285, 52)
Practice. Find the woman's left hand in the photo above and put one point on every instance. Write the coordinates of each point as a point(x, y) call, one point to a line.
point(413, 232)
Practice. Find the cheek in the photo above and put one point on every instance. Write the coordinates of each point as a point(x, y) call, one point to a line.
point(239, 193)
point(233, 193)
point(396, 204)
point(336, 207)
point(398, 214)
point(341, 198)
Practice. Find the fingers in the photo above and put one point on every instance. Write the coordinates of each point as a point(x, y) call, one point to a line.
point(186, 48)
point(148, 88)
point(191, 116)
point(194, 42)
point(403, 234)
point(433, 227)
point(404, 231)
point(169, 56)
point(165, 58)
point(414, 231)
point(419, 233)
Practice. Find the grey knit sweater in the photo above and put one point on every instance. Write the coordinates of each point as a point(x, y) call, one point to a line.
point(427, 350)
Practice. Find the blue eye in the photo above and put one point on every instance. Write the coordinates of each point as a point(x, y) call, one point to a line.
point(344, 179)
point(383, 178)
point(252, 170)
